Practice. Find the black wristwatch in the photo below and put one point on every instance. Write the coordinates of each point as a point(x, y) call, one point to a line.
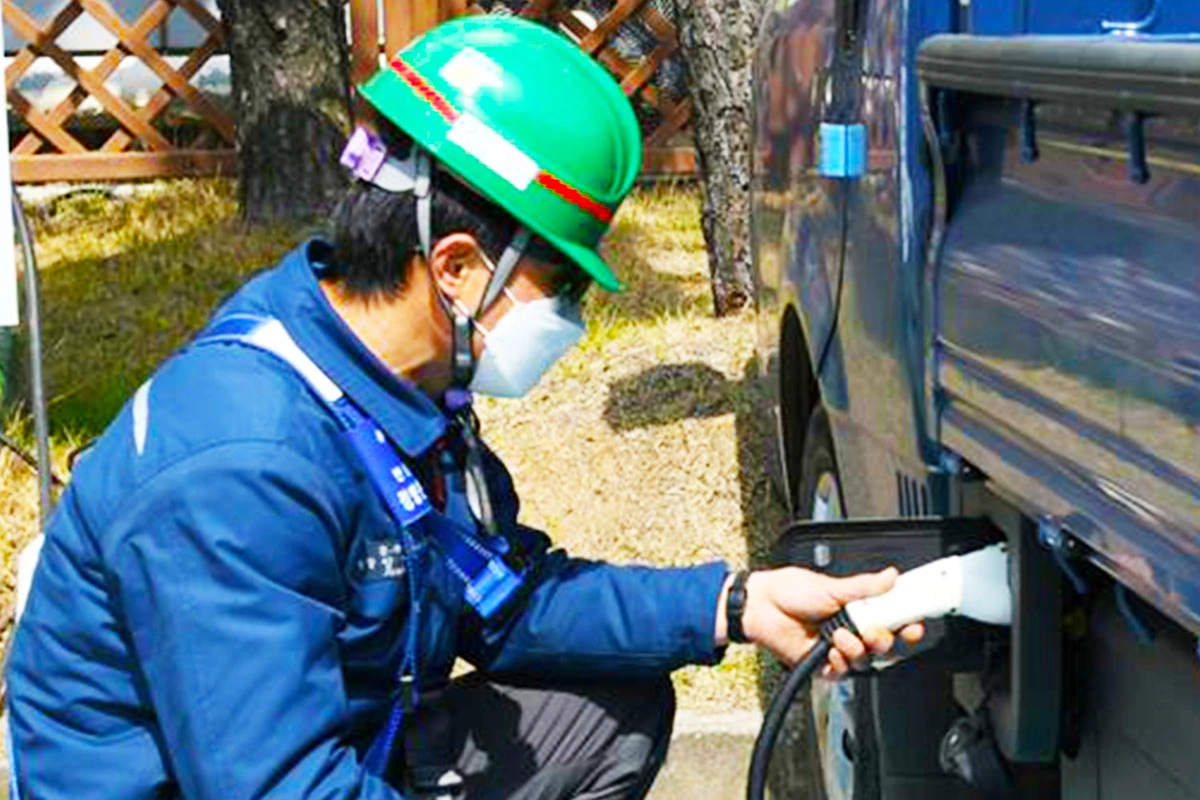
point(735, 607)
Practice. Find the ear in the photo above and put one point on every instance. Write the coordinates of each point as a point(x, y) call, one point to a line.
point(453, 264)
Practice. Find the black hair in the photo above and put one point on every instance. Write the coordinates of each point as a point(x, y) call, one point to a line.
point(375, 231)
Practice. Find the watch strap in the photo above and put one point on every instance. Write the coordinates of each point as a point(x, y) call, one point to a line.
point(735, 608)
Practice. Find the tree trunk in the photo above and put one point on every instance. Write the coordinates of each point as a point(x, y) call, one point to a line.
point(717, 38)
point(289, 61)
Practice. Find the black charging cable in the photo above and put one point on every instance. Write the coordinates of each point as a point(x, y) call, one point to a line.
point(784, 697)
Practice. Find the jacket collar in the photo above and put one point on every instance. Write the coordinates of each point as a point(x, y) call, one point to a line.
point(406, 414)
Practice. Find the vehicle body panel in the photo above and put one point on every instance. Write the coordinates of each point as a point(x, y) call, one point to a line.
point(1050, 338)
point(1001, 295)
point(799, 218)
point(1071, 331)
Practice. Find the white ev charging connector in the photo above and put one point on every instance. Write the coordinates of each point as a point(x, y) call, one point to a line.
point(974, 585)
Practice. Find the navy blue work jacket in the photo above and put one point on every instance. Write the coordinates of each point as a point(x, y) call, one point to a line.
point(220, 608)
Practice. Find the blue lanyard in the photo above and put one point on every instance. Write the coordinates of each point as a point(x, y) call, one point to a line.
point(488, 581)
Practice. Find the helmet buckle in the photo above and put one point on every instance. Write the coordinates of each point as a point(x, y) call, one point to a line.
point(364, 154)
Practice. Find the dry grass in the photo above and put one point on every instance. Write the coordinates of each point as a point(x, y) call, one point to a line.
point(19, 506)
point(644, 445)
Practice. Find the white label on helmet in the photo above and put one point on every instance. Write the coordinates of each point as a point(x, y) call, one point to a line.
point(493, 151)
point(470, 70)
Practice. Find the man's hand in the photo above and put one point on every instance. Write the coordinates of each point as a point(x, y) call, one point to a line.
point(785, 608)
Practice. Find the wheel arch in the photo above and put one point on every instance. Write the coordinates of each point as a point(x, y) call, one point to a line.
point(799, 394)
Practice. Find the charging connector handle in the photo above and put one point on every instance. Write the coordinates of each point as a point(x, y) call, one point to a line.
point(974, 585)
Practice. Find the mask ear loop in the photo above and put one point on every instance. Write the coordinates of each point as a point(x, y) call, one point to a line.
point(504, 268)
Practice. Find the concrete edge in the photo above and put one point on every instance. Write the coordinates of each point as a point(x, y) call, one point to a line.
point(689, 722)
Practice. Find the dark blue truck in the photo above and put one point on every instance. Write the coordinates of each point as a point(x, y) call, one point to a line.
point(977, 244)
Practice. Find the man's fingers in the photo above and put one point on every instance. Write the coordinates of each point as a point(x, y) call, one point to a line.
point(849, 645)
point(912, 634)
point(879, 641)
point(837, 664)
point(867, 584)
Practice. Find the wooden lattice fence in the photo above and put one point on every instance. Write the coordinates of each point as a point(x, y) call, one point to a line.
point(137, 142)
point(181, 129)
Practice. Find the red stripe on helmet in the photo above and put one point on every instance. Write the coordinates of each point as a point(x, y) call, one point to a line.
point(575, 197)
point(431, 95)
point(547, 180)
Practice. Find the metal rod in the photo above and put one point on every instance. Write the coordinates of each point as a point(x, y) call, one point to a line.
point(41, 422)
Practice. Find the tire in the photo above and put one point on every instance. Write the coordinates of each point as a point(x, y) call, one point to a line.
point(837, 738)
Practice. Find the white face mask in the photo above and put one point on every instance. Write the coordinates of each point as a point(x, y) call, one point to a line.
point(525, 343)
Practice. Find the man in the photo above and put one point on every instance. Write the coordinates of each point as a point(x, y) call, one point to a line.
point(262, 574)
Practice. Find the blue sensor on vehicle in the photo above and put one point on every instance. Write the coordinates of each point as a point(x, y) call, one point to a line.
point(843, 151)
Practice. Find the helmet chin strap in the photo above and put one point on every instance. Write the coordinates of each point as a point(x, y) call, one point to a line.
point(462, 327)
point(462, 363)
point(504, 267)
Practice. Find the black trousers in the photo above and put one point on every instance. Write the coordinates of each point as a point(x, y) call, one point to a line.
point(522, 739)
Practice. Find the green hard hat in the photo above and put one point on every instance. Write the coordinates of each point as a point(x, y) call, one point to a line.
point(520, 114)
